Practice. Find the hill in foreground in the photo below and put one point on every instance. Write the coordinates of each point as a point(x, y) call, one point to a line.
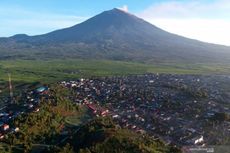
point(46, 128)
point(102, 136)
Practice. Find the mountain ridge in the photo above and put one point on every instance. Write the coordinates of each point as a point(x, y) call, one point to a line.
point(115, 35)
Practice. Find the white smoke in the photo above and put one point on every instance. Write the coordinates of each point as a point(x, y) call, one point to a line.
point(124, 8)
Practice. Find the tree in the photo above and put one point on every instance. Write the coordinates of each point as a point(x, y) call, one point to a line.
point(67, 149)
point(86, 150)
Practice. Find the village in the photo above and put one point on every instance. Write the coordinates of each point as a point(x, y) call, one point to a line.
point(10, 111)
point(176, 108)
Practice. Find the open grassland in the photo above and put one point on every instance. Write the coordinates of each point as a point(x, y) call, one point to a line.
point(29, 71)
point(83, 116)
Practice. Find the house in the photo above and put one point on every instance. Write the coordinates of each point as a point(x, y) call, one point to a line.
point(31, 106)
point(5, 127)
point(115, 116)
point(104, 112)
point(151, 81)
point(93, 108)
point(192, 130)
point(4, 114)
point(134, 126)
point(41, 89)
point(1, 136)
point(16, 129)
point(196, 140)
point(36, 110)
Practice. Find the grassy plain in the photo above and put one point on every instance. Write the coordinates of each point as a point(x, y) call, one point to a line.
point(55, 70)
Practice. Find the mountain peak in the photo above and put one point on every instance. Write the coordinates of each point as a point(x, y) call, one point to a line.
point(117, 12)
point(20, 37)
point(116, 34)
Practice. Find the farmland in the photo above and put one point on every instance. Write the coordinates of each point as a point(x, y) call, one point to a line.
point(43, 71)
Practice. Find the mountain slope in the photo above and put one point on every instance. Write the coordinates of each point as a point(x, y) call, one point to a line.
point(113, 35)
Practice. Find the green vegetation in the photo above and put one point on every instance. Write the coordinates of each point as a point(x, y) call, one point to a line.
point(62, 127)
point(54, 70)
point(220, 117)
point(31, 73)
point(42, 128)
point(103, 136)
point(84, 115)
point(194, 92)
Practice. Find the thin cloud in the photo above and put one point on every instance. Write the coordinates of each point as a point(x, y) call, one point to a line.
point(33, 23)
point(200, 20)
point(189, 9)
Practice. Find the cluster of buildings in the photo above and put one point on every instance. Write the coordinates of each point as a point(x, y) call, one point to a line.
point(96, 109)
point(11, 111)
point(175, 108)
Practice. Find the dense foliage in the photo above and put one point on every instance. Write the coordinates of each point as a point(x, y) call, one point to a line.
point(42, 131)
point(103, 136)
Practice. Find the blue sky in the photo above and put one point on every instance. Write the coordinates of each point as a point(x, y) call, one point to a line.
point(206, 20)
point(81, 7)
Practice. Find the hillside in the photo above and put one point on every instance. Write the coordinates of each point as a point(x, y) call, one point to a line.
point(102, 136)
point(45, 128)
point(113, 35)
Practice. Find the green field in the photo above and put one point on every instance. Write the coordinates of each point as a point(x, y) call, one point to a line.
point(29, 71)
point(83, 116)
